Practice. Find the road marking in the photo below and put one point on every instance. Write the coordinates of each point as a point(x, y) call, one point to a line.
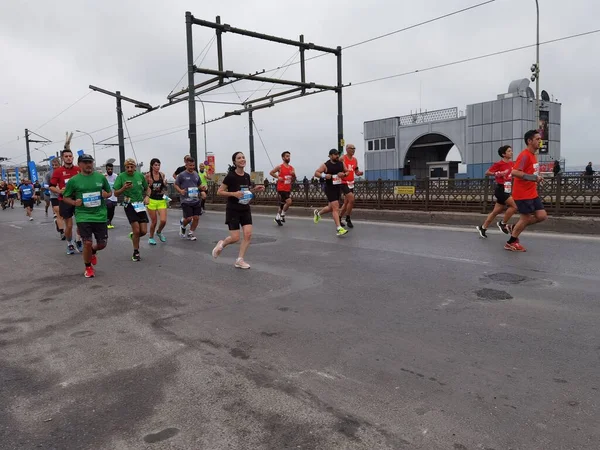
point(15, 226)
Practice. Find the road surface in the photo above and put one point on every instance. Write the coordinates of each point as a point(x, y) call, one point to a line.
point(392, 337)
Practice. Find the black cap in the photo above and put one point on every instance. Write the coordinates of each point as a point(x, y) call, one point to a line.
point(333, 151)
point(85, 158)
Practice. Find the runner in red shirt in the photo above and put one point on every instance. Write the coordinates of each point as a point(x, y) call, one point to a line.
point(351, 164)
point(502, 171)
point(526, 176)
point(58, 182)
point(286, 175)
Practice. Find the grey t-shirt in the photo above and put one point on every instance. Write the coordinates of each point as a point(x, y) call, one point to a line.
point(190, 183)
point(47, 179)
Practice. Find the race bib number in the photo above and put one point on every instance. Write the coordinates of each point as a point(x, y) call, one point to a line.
point(336, 179)
point(507, 187)
point(246, 198)
point(138, 207)
point(288, 179)
point(192, 192)
point(27, 191)
point(91, 199)
point(536, 169)
point(351, 184)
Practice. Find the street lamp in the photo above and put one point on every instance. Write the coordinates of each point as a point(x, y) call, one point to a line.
point(535, 69)
point(42, 151)
point(93, 143)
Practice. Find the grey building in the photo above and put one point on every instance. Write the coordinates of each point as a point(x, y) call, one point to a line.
point(404, 147)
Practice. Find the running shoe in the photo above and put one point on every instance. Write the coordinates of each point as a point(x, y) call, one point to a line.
point(482, 231)
point(503, 227)
point(341, 231)
point(317, 216)
point(136, 257)
point(110, 226)
point(130, 235)
point(161, 237)
point(151, 241)
point(63, 237)
point(514, 247)
point(89, 272)
point(278, 221)
point(217, 250)
point(241, 264)
point(191, 236)
point(30, 219)
point(94, 260)
point(349, 222)
point(70, 249)
point(182, 229)
point(79, 245)
point(283, 218)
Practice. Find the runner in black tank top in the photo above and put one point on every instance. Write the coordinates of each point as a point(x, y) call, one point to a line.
point(332, 172)
point(157, 205)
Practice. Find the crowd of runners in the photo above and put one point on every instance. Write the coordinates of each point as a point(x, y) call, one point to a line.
point(79, 191)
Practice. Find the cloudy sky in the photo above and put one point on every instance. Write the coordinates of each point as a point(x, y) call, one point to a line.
point(52, 51)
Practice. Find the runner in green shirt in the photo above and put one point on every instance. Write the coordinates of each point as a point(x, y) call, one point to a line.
point(87, 191)
point(204, 177)
point(134, 187)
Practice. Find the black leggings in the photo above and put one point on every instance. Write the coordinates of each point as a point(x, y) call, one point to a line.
point(110, 208)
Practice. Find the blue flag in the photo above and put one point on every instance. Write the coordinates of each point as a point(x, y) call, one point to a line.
point(80, 152)
point(33, 171)
point(3, 174)
point(17, 174)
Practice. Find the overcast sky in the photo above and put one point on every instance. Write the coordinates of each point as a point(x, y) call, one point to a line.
point(52, 51)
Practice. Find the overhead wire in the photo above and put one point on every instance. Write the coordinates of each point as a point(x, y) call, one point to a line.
point(291, 58)
point(63, 111)
point(206, 47)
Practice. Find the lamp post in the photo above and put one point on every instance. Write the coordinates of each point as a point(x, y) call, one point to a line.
point(204, 129)
point(93, 143)
point(536, 68)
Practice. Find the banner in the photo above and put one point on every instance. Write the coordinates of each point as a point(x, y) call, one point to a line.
point(3, 174)
point(17, 176)
point(210, 163)
point(33, 171)
point(80, 152)
point(543, 127)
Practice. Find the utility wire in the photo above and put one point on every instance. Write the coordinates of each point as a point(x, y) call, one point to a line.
point(291, 58)
point(63, 111)
point(206, 47)
point(130, 141)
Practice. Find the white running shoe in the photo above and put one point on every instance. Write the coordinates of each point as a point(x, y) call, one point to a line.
point(217, 250)
point(241, 264)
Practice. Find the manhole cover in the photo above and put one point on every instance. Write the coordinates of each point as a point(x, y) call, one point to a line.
point(492, 294)
point(511, 278)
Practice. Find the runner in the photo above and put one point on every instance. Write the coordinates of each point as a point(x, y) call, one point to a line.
point(332, 172)
point(37, 188)
point(4, 194)
point(58, 220)
point(204, 177)
point(239, 190)
point(111, 202)
point(188, 184)
point(87, 192)
point(286, 175)
point(58, 182)
point(12, 194)
point(526, 175)
point(46, 191)
point(132, 184)
point(182, 168)
point(27, 196)
point(157, 203)
point(351, 164)
point(502, 171)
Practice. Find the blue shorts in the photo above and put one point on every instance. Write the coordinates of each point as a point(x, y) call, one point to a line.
point(529, 206)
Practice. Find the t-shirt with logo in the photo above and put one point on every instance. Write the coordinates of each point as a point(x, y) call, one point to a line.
point(523, 189)
point(190, 183)
point(352, 166)
point(504, 174)
point(235, 183)
point(285, 172)
point(26, 191)
point(62, 175)
point(89, 189)
point(139, 186)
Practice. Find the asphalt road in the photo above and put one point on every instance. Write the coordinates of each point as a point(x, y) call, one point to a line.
point(392, 337)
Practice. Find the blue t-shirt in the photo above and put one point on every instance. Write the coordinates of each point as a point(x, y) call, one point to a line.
point(26, 191)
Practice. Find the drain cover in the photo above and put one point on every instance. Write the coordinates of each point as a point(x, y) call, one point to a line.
point(492, 294)
point(511, 278)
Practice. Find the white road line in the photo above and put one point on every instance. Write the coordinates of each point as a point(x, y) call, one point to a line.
point(15, 226)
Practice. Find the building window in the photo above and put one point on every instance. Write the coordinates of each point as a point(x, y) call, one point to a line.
point(370, 145)
point(391, 143)
point(383, 144)
point(376, 144)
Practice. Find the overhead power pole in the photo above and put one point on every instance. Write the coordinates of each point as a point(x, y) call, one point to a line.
point(251, 139)
point(27, 141)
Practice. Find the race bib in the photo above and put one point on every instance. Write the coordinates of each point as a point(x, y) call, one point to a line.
point(138, 207)
point(507, 187)
point(27, 191)
point(246, 198)
point(91, 199)
point(288, 179)
point(536, 169)
point(192, 192)
point(336, 179)
point(351, 184)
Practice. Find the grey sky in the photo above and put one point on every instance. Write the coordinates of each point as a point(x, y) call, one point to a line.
point(52, 51)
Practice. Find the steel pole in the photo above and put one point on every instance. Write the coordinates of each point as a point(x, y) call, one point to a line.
point(191, 89)
point(340, 116)
point(251, 140)
point(204, 129)
point(537, 78)
point(120, 133)
point(28, 153)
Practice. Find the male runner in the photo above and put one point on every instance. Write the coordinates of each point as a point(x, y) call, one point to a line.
point(58, 182)
point(332, 172)
point(188, 184)
point(204, 177)
point(182, 168)
point(502, 171)
point(3, 194)
point(86, 193)
point(111, 202)
point(37, 188)
point(58, 221)
point(286, 175)
point(12, 194)
point(526, 176)
point(27, 196)
point(133, 185)
point(46, 191)
point(351, 164)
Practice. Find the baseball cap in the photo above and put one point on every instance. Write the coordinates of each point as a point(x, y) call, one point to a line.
point(85, 158)
point(334, 151)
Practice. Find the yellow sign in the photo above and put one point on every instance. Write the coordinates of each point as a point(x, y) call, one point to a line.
point(404, 190)
point(342, 142)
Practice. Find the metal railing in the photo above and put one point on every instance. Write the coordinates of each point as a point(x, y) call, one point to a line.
point(573, 195)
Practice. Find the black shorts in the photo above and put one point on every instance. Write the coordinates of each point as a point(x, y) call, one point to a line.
point(347, 189)
point(284, 195)
point(54, 201)
point(132, 216)
point(191, 209)
point(65, 211)
point(28, 203)
point(234, 219)
point(333, 193)
point(529, 206)
point(500, 195)
point(98, 230)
